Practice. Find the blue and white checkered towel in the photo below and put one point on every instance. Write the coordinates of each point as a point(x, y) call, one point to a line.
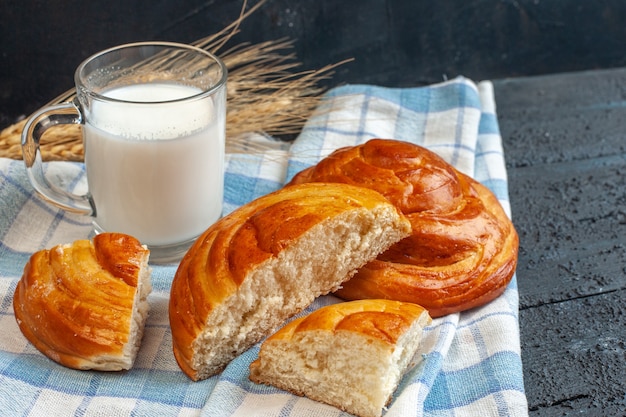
point(469, 363)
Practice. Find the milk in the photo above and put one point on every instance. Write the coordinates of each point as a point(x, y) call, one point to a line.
point(155, 171)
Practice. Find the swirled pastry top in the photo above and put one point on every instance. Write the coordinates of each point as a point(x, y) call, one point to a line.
point(463, 248)
point(379, 321)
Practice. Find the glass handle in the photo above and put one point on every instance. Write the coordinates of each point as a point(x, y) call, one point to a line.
point(37, 125)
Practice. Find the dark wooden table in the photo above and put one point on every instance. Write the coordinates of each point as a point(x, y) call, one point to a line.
point(564, 137)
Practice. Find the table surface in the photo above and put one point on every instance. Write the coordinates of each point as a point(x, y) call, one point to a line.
point(564, 138)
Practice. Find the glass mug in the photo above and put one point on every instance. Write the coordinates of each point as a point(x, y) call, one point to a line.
point(153, 118)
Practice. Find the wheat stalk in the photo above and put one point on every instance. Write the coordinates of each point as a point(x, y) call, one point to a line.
point(263, 95)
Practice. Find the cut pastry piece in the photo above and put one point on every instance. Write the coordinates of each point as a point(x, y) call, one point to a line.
point(84, 304)
point(268, 260)
point(463, 249)
point(351, 355)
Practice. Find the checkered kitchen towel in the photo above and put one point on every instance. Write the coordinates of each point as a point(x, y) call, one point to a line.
point(468, 365)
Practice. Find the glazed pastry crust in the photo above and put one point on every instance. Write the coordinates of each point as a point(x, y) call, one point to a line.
point(84, 304)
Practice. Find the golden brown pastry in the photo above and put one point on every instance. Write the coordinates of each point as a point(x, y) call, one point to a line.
point(84, 304)
point(463, 250)
point(350, 355)
point(268, 260)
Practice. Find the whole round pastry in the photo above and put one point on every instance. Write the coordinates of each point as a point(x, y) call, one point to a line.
point(463, 249)
point(84, 304)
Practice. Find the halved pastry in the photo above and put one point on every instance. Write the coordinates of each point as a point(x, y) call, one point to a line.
point(268, 260)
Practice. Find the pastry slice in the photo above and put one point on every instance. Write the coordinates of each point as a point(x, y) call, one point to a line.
point(84, 304)
point(350, 355)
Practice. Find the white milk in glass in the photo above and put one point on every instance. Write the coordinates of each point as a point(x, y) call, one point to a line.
point(155, 171)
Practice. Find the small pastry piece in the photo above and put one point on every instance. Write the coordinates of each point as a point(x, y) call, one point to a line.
point(84, 304)
point(268, 260)
point(350, 355)
point(463, 250)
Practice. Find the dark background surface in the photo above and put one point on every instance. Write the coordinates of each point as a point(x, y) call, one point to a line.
point(563, 128)
point(564, 140)
point(393, 42)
